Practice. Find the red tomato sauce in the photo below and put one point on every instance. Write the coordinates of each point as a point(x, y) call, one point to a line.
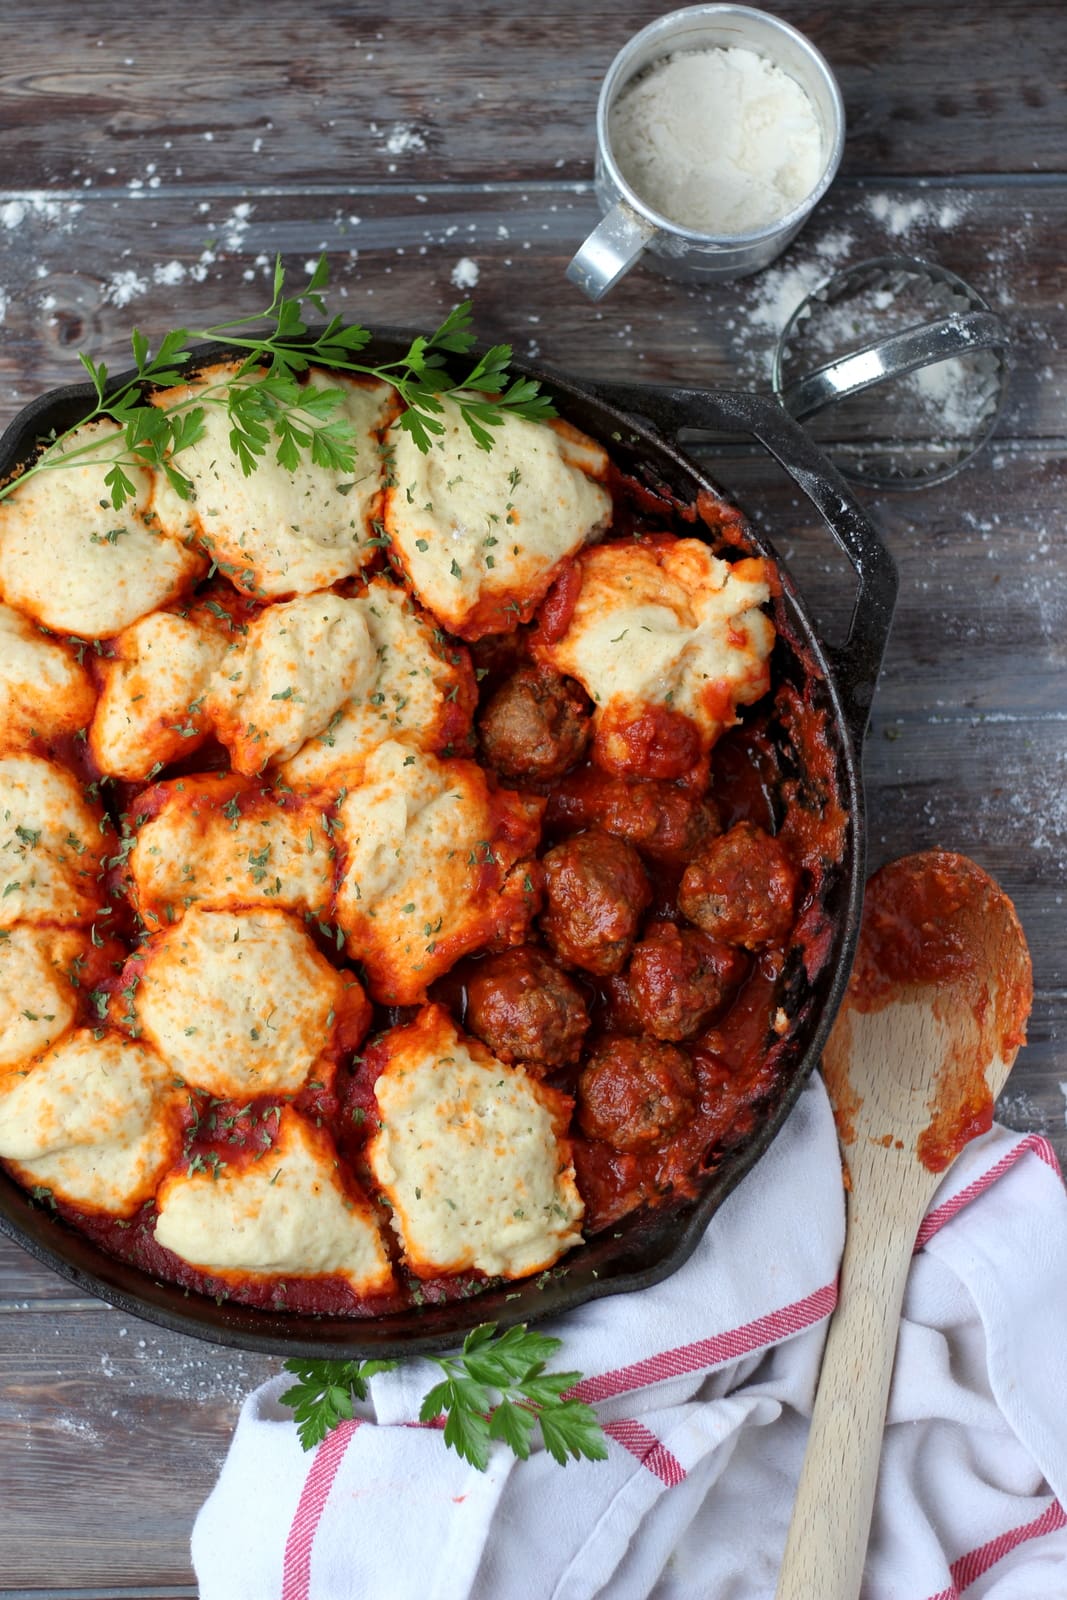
point(659, 743)
point(557, 609)
point(776, 770)
point(923, 924)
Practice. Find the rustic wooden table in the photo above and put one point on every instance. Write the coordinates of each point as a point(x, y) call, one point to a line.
point(154, 166)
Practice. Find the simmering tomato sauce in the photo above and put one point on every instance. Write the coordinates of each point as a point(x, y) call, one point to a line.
point(771, 785)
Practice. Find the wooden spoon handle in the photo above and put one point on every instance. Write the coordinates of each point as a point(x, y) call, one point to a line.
point(827, 1541)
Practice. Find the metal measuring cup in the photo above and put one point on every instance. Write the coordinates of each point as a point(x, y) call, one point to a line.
point(937, 318)
point(630, 228)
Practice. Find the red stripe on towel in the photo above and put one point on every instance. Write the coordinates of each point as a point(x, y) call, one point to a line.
point(936, 1219)
point(642, 1443)
point(969, 1568)
point(296, 1563)
point(684, 1359)
point(713, 1352)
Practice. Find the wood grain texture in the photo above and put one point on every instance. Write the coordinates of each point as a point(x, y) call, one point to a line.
point(150, 176)
point(315, 93)
point(99, 1410)
point(188, 260)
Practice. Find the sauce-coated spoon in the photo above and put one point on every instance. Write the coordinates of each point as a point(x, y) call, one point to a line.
point(933, 1018)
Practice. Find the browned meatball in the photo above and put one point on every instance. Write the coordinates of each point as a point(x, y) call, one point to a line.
point(526, 1008)
point(664, 822)
point(741, 888)
point(635, 1093)
point(676, 981)
point(535, 726)
point(595, 893)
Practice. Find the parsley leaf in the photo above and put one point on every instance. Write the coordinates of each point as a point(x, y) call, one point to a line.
point(267, 404)
point(495, 1388)
point(323, 1395)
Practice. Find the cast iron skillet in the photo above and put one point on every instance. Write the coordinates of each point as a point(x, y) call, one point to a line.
point(638, 425)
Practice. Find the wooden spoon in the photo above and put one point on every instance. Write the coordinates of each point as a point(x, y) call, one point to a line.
point(933, 1018)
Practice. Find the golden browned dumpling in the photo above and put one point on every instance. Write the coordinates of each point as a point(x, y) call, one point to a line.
point(275, 532)
point(436, 864)
point(664, 638)
point(471, 1154)
point(286, 677)
point(242, 1003)
point(222, 842)
point(151, 710)
point(287, 1213)
point(481, 534)
point(420, 692)
point(39, 980)
point(45, 691)
point(72, 562)
point(96, 1121)
point(53, 844)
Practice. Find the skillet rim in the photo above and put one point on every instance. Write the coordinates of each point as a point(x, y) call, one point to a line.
point(655, 1250)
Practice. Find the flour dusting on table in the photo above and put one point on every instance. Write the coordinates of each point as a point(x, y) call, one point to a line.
point(465, 273)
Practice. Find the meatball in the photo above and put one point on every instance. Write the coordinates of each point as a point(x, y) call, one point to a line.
point(525, 1008)
point(676, 981)
point(595, 893)
point(535, 726)
point(741, 888)
point(635, 1093)
point(665, 823)
point(657, 743)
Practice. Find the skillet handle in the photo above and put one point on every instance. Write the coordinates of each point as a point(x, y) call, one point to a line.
point(857, 662)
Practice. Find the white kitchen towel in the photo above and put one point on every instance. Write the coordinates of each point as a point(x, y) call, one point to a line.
point(704, 1384)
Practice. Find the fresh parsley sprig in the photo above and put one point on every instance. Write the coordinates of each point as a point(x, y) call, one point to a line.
point(266, 403)
point(511, 1365)
point(325, 1394)
point(495, 1388)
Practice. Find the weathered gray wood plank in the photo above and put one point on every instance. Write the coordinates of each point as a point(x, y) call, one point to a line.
point(167, 1591)
point(79, 272)
point(327, 92)
point(24, 1279)
point(97, 1409)
point(131, 154)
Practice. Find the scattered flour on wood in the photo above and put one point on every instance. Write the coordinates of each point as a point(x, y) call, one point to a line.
point(125, 285)
point(900, 217)
point(769, 299)
point(465, 273)
point(169, 273)
point(59, 214)
point(236, 226)
point(780, 290)
point(1030, 806)
point(75, 1427)
point(176, 1369)
point(402, 139)
point(1020, 1110)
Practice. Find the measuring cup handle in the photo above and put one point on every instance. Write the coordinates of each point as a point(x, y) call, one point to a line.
point(892, 357)
point(610, 250)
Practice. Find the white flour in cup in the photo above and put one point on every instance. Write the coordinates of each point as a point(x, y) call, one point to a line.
point(721, 141)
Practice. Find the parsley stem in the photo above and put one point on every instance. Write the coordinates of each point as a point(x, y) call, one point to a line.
point(271, 403)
